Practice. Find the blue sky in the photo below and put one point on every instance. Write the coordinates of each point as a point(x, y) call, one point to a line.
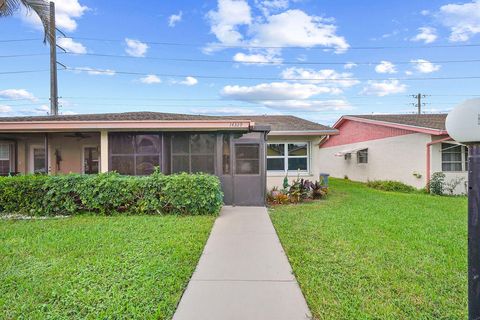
point(314, 59)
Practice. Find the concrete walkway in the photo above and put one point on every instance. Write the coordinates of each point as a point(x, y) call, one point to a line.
point(243, 273)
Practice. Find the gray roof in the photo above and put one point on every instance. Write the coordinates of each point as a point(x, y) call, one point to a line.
point(276, 122)
point(430, 121)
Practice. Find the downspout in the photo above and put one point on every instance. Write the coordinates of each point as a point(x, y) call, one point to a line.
point(429, 157)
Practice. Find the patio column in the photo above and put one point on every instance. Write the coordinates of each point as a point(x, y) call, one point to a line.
point(103, 151)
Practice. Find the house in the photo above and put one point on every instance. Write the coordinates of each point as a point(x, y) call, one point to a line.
point(247, 153)
point(403, 147)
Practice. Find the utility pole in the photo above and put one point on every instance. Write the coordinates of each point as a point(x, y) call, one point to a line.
point(53, 63)
point(419, 103)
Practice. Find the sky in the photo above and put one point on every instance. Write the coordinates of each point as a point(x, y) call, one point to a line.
point(314, 59)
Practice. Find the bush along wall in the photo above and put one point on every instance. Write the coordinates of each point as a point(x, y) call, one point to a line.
point(110, 193)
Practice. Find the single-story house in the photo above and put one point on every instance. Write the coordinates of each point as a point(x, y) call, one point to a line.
point(402, 147)
point(248, 153)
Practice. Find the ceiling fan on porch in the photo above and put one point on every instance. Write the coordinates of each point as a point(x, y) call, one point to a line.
point(77, 135)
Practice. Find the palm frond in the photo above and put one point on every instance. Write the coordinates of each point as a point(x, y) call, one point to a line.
point(40, 7)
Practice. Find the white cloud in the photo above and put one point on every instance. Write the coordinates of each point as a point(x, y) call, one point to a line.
point(350, 65)
point(233, 24)
point(383, 88)
point(71, 46)
point(174, 19)
point(95, 71)
point(385, 67)
point(17, 94)
point(68, 113)
point(275, 91)
point(224, 22)
point(426, 34)
point(425, 66)
point(268, 6)
point(5, 108)
point(462, 19)
point(325, 76)
point(296, 28)
point(188, 81)
point(150, 79)
point(425, 12)
point(135, 48)
point(43, 109)
point(258, 58)
point(66, 14)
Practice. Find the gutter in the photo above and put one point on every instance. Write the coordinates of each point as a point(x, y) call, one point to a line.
point(429, 157)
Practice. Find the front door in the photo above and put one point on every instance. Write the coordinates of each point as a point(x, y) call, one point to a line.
point(243, 169)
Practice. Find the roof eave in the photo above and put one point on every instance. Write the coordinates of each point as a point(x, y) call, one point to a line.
point(303, 132)
point(436, 132)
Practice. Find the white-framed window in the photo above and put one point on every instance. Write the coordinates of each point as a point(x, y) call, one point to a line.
point(4, 159)
point(362, 156)
point(454, 157)
point(288, 156)
point(37, 159)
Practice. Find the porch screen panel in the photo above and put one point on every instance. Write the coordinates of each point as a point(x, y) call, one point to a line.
point(247, 159)
point(135, 154)
point(193, 153)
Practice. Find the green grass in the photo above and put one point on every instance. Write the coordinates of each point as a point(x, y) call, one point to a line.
point(369, 254)
point(91, 267)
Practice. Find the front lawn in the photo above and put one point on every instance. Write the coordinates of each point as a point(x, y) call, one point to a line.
point(368, 254)
point(121, 267)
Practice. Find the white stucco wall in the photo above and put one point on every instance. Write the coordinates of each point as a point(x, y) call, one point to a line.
point(275, 179)
point(396, 158)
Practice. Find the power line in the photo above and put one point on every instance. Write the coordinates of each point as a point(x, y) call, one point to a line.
point(265, 78)
point(20, 40)
point(270, 62)
point(24, 71)
point(218, 45)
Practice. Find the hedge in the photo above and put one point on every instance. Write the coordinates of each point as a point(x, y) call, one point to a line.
point(390, 185)
point(110, 193)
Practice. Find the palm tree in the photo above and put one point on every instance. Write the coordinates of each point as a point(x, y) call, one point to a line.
point(40, 7)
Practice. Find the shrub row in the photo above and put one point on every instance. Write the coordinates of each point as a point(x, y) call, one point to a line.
point(109, 193)
point(389, 185)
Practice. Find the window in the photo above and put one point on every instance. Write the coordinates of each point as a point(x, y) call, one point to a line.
point(454, 157)
point(4, 159)
point(90, 160)
point(362, 156)
point(247, 158)
point(193, 153)
point(286, 157)
point(134, 154)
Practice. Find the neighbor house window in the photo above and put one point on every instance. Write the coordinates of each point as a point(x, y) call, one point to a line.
point(284, 157)
point(193, 153)
point(362, 156)
point(454, 157)
point(4, 159)
point(135, 154)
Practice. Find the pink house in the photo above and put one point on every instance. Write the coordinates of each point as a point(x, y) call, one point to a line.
point(401, 147)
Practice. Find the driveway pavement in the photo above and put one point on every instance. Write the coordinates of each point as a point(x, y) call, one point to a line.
point(243, 273)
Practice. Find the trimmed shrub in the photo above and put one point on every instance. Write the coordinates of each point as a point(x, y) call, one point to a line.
point(390, 185)
point(109, 193)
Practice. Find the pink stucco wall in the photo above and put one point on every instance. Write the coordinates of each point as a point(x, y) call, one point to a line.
point(354, 131)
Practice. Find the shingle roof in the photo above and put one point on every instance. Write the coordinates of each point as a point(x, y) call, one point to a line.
point(430, 121)
point(276, 122)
